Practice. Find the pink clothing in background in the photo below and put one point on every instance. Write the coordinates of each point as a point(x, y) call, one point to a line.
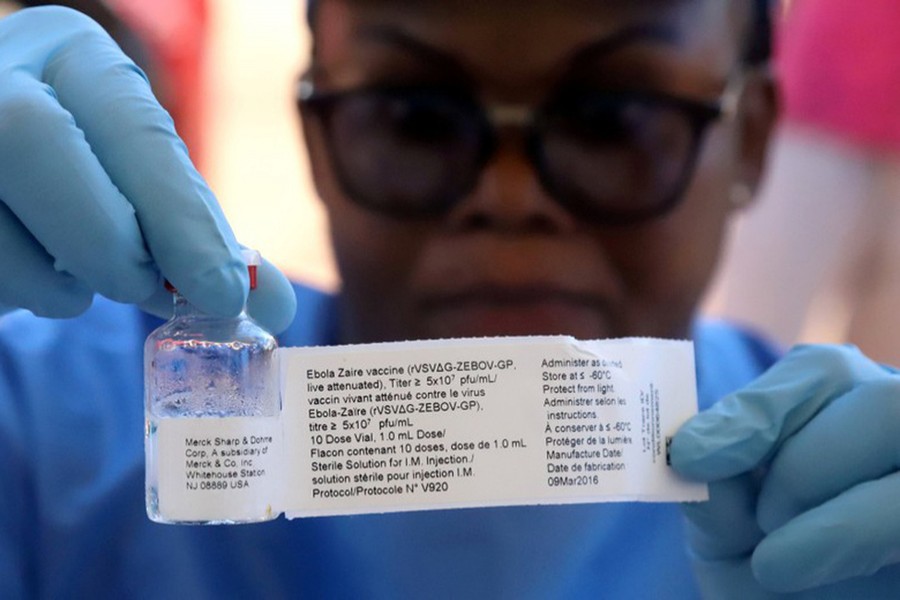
point(839, 62)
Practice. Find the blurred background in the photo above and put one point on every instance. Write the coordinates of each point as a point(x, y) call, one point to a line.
point(814, 258)
point(255, 160)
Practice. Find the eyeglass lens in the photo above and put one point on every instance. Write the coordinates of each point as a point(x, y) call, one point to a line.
point(418, 152)
point(407, 153)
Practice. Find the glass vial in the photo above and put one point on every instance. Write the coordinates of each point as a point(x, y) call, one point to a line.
point(212, 417)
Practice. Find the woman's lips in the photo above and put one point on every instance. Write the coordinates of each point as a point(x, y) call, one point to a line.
point(514, 310)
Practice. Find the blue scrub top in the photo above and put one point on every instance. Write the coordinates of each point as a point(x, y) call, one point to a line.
point(73, 523)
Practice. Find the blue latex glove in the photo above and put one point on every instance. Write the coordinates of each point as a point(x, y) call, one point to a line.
point(97, 192)
point(805, 499)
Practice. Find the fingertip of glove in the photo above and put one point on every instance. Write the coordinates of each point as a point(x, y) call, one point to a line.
point(684, 453)
point(775, 567)
point(159, 304)
point(68, 298)
point(788, 561)
point(64, 17)
point(273, 304)
point(699, 453)
point(839, 361)
point(219, 291)
point(693, 448)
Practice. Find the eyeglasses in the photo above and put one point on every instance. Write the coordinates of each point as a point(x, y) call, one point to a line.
point(613, 157)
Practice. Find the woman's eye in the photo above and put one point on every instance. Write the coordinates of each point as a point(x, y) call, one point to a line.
point(600, 122)
point(607, 120)
point(423, 120)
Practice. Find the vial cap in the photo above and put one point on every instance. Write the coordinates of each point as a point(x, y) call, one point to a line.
point(253, 259)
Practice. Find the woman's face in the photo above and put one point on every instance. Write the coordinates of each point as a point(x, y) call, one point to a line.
point(505, 256)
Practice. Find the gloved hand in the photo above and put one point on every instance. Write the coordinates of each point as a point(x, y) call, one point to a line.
point(97, 192)
point(805, 493)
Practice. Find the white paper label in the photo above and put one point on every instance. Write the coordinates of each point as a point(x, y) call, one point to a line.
point(489, 422)
point(219, 469)
point(442, 424)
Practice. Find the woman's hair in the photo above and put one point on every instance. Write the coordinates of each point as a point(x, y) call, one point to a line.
point(758, 48)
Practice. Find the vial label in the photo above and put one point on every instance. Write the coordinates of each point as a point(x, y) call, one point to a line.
point(483, 422)
point(217, 470)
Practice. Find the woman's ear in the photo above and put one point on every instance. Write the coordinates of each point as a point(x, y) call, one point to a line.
point(756, 120)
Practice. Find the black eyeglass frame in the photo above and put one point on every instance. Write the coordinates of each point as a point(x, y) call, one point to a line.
point(491, 118)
